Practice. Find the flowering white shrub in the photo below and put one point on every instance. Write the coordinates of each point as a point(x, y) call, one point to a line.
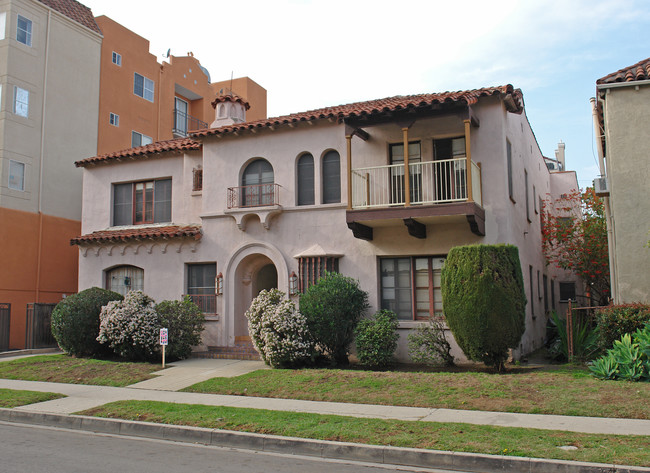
point(279, 331)
point(130, 327)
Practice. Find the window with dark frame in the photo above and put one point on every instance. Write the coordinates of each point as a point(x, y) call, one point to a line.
point(24, 30)
point(527, 196)
point(116, 58)
point(138, 203)
point(312, 268)
point(511, 193)
point(201, 279)
point(532, 295)
point(553, 294)
point(545, 293)
point(567, 291)
point(305, 175)
point(396, 156)
point(331, 178)
point(197, 179)
point(410, 286)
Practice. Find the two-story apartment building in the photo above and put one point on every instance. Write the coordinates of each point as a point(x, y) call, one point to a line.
point(378, 190)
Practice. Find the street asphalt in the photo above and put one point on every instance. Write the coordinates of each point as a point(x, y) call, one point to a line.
point(165, 386)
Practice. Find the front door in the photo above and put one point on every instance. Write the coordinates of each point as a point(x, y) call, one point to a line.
point(180, 117)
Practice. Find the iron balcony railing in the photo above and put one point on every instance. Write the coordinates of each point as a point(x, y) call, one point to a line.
point(258, 195)
point(184, 123)
point(206, 302)
point(432, 182)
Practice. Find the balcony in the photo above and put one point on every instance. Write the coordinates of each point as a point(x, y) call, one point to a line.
point(184, 123)
point(262, 200)
point(206, 302)
point(435, 189)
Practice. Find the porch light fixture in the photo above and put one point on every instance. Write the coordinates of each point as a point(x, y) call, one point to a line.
point(293, 284)
point(218, 284)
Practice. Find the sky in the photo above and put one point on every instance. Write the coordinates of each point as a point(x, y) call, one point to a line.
point(310, 54)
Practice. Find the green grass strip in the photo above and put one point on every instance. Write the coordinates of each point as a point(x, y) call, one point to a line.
point(566, 391)
point(626, 450)
point(67, 369)
point(10, 398)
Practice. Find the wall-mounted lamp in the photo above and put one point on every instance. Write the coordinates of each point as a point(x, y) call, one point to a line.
point(293, 284)
point(218, 284)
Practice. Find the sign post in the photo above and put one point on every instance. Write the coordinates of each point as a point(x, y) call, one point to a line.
point(163, 341)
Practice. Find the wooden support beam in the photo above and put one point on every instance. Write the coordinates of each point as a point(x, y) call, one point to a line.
point(415, 228)
point(468, 165)
point(360, 231)
point(348, 141)
point(407, 173)
point(476, 224)
point(355, 131)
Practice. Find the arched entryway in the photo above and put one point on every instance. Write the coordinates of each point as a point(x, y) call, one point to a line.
point(255, 273)
point(251, 268)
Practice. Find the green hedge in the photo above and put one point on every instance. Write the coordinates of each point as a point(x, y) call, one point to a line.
point(484, 300)
point(617, 320)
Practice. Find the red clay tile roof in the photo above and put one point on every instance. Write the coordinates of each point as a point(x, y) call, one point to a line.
point(75, 11)
point(142, 152)
point(139, 233)
point(230, 98)
point(638, 71)
point(375, 107)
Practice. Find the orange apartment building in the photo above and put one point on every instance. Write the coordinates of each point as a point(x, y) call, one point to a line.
point(97, 90)
point(142, 101)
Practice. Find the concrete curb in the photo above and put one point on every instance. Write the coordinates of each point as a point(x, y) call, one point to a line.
point(29, 351)
point(470, 462)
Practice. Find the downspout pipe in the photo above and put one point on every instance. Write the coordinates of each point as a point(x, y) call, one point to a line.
point(611, 244)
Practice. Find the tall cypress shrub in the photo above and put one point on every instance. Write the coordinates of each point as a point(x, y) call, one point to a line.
point(484, 301)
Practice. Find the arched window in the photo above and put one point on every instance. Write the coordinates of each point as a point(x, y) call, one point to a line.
point(331, 178)
point(257, 184)
point(123, 279)
point(221, 111)
point(306, 180)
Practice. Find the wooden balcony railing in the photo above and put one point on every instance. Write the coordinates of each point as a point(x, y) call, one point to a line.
point(432, 182)
point(206, 302)
point(259, 195)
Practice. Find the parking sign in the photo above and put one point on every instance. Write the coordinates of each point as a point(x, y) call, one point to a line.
point(163, 336)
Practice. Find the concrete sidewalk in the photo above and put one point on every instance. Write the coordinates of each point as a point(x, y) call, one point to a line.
point(81, 397)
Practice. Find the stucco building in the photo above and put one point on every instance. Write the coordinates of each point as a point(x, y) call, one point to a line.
point(379, 191)
point(49, 91)
point(623, 116)
point(143, 100)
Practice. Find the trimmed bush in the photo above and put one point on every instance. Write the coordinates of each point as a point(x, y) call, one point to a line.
point(484, 301)
point(75, 322)
point(185, 323)
point(428, 344)
point(279, 332)
point(131, 327)
point(617, 320)
point(376, 339)
point(333, 307)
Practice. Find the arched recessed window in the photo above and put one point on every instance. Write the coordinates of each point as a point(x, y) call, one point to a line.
point(123, 279)
point(306, 180)
point(257, 184)
point(331, 178)
point(221, 112)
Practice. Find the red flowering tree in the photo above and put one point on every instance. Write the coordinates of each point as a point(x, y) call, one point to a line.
point(574, 237)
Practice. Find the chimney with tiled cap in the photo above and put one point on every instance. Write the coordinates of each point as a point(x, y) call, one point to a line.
point(228, 110)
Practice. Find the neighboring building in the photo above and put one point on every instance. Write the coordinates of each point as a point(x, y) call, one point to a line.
point(624, 120)
point(49, 91)
point(379, 191)
point(142, 101)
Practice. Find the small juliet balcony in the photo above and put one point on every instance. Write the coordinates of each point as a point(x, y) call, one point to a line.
point(185, 123)
point(207, 303)
point(435, 189)
point(262, 200)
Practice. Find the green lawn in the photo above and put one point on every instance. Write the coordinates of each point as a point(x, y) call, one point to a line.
point(625, 450)
point(565, 391)
point(12, 398)
point(66, 369)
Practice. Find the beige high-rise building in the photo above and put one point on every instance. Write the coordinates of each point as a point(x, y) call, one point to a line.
point(49, 91)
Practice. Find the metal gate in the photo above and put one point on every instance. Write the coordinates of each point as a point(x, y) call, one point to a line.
point(5, 323)
point(38, 333)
